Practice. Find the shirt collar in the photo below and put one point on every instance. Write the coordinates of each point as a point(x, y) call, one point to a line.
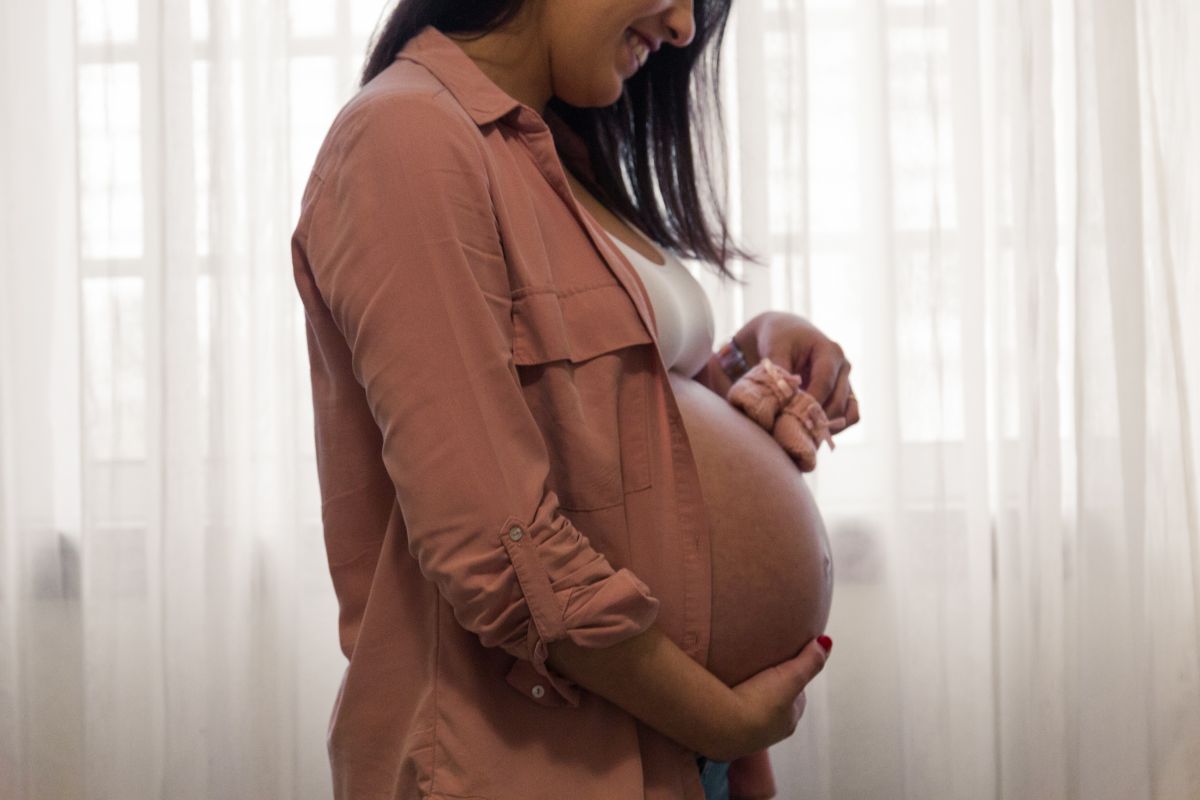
point(482, 98)
point(472, 88)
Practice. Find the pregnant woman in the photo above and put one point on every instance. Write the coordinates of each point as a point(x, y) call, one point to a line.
point(564, 569)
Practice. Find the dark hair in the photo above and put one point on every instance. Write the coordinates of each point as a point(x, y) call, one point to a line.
point(645, 137)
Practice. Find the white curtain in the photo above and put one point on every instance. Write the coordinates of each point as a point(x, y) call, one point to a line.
point(994, 206)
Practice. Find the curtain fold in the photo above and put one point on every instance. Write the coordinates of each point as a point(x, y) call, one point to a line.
point(993, 206)
point(42, 683)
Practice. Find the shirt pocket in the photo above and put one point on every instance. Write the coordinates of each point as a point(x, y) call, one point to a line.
point(585, 362)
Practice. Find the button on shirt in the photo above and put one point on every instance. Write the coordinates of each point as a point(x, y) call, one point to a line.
point(501, 460)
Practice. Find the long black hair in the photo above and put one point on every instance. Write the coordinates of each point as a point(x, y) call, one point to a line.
point(639, 148)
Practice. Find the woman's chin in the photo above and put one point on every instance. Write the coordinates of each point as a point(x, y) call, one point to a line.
point(598, 93)
point(772, 575)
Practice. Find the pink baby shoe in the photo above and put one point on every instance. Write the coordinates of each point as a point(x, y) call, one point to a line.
point(763, 391)
point(772, 397)
point(800, 428)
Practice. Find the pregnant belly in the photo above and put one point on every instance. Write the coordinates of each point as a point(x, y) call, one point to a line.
point(771, 572)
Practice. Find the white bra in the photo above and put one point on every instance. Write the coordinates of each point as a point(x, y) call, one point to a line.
point(681, 309)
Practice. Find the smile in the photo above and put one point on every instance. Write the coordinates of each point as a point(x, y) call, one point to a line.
point(639, 48)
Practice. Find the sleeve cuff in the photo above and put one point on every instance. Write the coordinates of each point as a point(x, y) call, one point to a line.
point(597, 615)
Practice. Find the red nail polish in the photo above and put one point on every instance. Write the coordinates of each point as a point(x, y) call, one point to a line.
point(825, 642)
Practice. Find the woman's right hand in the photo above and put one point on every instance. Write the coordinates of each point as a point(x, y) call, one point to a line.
point(772, 701)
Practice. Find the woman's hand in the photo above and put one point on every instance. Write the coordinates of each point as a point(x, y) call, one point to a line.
point(771, 702)
point(801, 348)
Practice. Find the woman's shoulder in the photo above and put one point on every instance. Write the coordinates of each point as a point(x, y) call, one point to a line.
point(404, 111)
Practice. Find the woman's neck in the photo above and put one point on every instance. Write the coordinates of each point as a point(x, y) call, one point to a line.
point(515, 58)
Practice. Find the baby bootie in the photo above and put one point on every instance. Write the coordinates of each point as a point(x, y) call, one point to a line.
point(772, 397)
point(763, 391)
point(800, 428)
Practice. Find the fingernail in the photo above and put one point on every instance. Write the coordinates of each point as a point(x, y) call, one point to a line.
point(825, 642)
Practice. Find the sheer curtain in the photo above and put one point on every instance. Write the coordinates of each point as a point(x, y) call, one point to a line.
point(993, 206)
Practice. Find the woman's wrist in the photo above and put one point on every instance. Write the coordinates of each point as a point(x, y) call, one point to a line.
point(740, 352)
point(747, 338)
point(733, 360)
point(653, 679)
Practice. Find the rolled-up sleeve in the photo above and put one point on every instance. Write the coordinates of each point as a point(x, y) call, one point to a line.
point(402, 243)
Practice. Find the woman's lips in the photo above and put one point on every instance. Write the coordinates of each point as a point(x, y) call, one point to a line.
point(637, 49)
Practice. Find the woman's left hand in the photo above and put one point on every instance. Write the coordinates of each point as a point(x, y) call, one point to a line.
point(800, 347)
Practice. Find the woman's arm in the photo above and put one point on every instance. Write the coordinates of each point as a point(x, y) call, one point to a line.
point(650, 677)
point(397, 237)
point(713, 377)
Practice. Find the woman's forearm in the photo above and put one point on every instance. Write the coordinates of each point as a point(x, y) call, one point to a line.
point(713, 377)
point(649, 676)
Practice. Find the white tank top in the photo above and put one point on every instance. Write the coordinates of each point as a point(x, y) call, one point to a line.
point(681, 309)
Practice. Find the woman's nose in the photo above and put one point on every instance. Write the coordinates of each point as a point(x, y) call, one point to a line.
point(680, 24)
